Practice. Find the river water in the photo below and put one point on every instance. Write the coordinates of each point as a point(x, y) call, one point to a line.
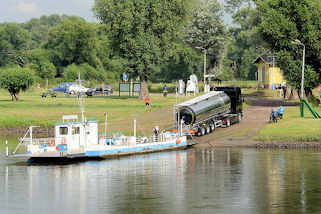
point(188, 181)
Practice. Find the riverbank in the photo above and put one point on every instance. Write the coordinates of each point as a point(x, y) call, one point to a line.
point(253, 131)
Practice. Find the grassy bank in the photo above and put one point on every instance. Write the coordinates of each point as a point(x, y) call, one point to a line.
point(34, 110)
point(292, 128)
point(12, 143)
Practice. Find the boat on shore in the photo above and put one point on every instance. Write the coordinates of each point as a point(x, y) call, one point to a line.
point(79, 139)
point(75, 139)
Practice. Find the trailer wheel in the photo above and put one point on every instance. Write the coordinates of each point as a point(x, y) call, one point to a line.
point(212, 126)
point(228, 122)
point(208, 129)
point(203, 131)
point(239, 117)
point(199, 132)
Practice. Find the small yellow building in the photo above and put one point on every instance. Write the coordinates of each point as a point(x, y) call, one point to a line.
point(267, 75)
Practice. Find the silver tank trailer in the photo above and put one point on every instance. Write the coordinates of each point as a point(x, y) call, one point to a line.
point(204, 106)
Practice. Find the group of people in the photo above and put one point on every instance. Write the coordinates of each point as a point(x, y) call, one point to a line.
point(276, 114)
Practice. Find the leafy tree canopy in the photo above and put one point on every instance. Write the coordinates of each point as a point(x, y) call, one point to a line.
point(73, 41)
point(13, 39)
point(16, 79)
point(39, 60)
point(184, 62)
point(39, 28)
point(245, 45)
point(206, 30)
point(284, 21)
point(86, 71)
point(142, 32)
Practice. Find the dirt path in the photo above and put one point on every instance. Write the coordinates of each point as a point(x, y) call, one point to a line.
point(242, 134)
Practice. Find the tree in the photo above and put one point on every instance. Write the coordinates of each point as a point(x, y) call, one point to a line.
point(206, 31)
point(245, 45)
point(184, 62)
point(73, 41)
point(285, 21)
point(86, 73)
point(39, 28)
point(39, 61)
point(16, 79)
point(142, 32)
point(234, 5)
point(13, 39)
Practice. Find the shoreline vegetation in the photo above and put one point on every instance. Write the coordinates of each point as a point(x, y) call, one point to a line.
point(292, 132)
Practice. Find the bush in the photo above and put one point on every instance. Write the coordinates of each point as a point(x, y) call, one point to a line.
point(158, 87)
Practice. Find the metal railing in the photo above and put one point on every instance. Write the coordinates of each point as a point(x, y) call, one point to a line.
point(130, 141)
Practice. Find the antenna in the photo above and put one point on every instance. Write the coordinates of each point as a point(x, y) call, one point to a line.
point(79, 81)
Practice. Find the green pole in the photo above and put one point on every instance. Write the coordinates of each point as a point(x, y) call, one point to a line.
point(302, 108)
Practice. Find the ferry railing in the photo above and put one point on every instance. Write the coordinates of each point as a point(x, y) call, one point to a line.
point(51, 141)
point(131, 140)
point(48, 144)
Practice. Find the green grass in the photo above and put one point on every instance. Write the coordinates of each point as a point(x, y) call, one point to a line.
point(293, 128)
point(12, 143)
point(34, 110)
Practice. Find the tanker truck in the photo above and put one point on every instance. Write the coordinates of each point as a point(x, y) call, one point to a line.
point(203, 114)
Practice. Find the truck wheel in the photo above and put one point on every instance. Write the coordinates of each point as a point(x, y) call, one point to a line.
point(212, 126)
point(199, 132)
point(208, 128)
point(228, 122)
point(203, 131)
point(239, 117)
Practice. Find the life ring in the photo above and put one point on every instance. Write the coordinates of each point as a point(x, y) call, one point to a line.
point(178, 141)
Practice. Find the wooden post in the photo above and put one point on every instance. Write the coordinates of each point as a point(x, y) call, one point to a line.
point(7, 148)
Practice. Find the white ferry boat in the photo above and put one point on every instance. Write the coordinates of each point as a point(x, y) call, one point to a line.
point(79, 139)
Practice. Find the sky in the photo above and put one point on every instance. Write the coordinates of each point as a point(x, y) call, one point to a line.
point(24, 10)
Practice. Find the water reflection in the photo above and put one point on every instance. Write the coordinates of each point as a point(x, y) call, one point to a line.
point(189, 181)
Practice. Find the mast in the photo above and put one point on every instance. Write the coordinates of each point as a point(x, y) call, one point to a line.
point(82, 102)
point(82, 107)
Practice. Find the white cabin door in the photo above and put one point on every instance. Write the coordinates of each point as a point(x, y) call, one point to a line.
point(76, 138)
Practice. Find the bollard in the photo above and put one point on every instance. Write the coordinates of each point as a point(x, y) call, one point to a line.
point(7, 149)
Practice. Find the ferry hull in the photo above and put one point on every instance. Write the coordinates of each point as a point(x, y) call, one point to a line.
point(106, 153)
point(132, 151)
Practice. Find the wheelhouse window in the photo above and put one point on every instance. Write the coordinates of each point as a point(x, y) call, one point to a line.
point(63, 130)
point(75, 130)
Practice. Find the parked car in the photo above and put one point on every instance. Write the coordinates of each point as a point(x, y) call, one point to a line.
point(50, 93)
point(107, 90)
point(77, 89)
point(90, 92)
point(63, 87)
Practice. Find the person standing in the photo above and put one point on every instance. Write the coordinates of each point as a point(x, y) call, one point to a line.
point(165, 90)
point(280, 112)
point(147, 104)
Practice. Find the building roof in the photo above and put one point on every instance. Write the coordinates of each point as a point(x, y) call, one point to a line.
point(265, 59)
